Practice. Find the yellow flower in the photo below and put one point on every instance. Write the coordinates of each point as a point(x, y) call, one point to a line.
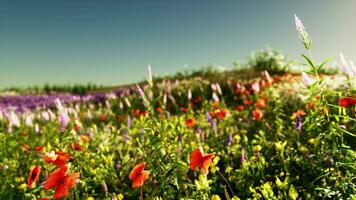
point(120, 196)
point(22, 186)
point(215, 197)
point(257, 148)
point(90, 198)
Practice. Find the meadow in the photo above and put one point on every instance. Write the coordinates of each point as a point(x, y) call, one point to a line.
point(258, 133)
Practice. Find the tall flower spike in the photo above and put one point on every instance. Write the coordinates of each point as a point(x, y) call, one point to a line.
point(143, 96)
point(353, 68)
point(345, 67)
point(303, 35)
point(307, 81)
point(149, 75)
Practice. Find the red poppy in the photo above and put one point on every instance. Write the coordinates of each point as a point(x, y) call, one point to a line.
point(138, 176)
point(248, 102)
point(61, 181)
point(198, 159)
point(184, 109)
point(190, 122)
point(257, 114)
point(39, 148)
point(120, 119)
point(239, 108)
point(33, 177)
point(77, 127)
point(76, 146)
point(222, 113)
point(59, 158)
point(347, 101)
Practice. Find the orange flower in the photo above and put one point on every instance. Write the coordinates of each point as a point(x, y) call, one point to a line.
point(159, 110)
point(198, 159)
point(138, 176)
point(84, 138)
point(25, 148)
point(260, 103)
point(33, 177)
point(190, 122)
point(102, 117)
point(299, 112)
point(59, 158)
point(257, 114)
point(62, 182)
point(76, 146)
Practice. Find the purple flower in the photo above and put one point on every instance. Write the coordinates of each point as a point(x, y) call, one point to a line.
point(208, 117)
point(229, 139)
point(303, 35)
point(180, 137)
point(298, 123)
point(128, 119)
point(143, 96)
point(345, 67)
point(214, 126)
point(63, 120)
point(307, 81)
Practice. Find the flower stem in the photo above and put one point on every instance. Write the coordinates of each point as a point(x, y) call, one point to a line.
point(227, 182)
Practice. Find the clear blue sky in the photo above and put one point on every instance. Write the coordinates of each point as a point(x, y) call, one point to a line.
point(111, 42)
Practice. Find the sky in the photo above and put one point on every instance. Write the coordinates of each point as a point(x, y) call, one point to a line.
point(112, 42)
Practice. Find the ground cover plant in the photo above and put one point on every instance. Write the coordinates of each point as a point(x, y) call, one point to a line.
point(269, 137)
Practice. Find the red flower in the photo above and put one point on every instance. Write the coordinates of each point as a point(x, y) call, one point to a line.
point(190, 122)
point(39, 148)
point(138, 176)
point(257, 114)
point(221, 114)
point(77, 147)
point(347, 101)
point(62, 182)
point(198, 159)
point(239, 108)
point(248, 102)
point(184, 109)
point(59, 158)
point(33, 177)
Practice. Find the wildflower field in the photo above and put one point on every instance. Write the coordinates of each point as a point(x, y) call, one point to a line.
point(269, 135)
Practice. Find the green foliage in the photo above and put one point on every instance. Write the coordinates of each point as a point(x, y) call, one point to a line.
point(270, 60)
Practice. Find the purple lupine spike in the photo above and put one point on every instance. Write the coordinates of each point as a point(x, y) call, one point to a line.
point(214, 126)
point(298, 123)
point(208, 117)
point(229, 139)
point(124, 135)
point(63, 120)
point(180, 137)
point(128, 121)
